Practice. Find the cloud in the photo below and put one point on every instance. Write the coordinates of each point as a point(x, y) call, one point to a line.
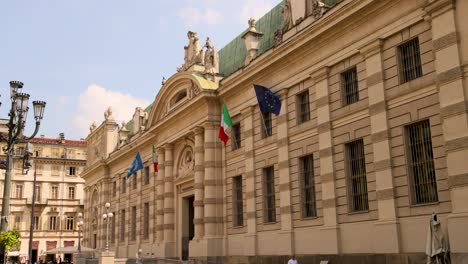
point(199, 16)
point(94, 101)
point(256, 9)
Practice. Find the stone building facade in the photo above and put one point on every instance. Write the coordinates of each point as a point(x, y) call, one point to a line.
point(58, 163)
point(369, 142)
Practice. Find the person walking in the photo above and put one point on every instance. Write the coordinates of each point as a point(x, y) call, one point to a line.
point(293, 260)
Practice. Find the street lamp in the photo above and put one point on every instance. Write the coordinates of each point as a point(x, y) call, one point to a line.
point(79, 224)
point(18, 113)
point(107, 217)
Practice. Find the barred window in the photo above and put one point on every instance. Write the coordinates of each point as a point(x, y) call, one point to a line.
point(269, 194)
point(357, 180)
point(409, 57)
point(146, 220)
point(267, 128)
point(308, 186)
point(236, 136)
point(421, 163)
point(69, 223)
point(237, 200)
point(122, 225)
point(146, 175)
point(349, 87)
point(133, 230)
point(303, 109)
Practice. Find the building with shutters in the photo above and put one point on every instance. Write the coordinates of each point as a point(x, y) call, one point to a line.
point(370, 141)
point(57, 163)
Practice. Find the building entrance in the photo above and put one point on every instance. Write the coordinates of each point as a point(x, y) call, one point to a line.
point(188, 228)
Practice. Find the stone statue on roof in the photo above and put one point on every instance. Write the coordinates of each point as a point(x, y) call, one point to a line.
point(108, 113)
point(287, 16)
point(92, 127)
point(316, 8)
point(192, 51)
point(252, 23)
point(211, 58)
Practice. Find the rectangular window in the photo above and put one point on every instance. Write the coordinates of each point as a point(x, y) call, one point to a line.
point(53, 222)
point(237, 200)
point(133, 230)
point(112, 238)
point(146, 175)
point(55, 152)
point(39, 169)
point(69, 224)
point(38, 194)
point(269, 194)
point(124, 185)
point(36, 222)
point(146, 220)
point(134, 181)
point(303, 109)
point(19, 191)
point(267, 129)
point(18, 220)
point(409, 57)
point(421, 163)
point(236, 136)
point(308, 186)
point(357, 180)
point(122, 225)
point(71, 193)
point(349, 87)
point(72, 171)
point(38, 151)
point(55, 170)
point(114, 188)
point(54, 192)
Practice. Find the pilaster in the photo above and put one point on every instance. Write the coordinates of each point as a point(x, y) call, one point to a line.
point(160, 196)
point(168, 210)
point(388, 239)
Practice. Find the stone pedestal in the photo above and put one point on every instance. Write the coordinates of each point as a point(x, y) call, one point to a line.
point(107, 257)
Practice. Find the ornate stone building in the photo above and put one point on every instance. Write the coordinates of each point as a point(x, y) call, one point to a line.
point(369, 142)
point(58, 163)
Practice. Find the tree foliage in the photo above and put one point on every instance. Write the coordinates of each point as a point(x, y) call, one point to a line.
point(9, 239)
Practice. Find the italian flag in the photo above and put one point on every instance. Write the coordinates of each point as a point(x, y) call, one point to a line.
point(226, 122)
point(155, 160)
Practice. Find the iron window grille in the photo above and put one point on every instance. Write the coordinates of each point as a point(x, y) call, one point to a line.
point(122, 225)
point(267, 127)
point(357, 180)
point(238, 203)
point(236, 136)
point(349, 87)
point(269, 195)
point(421, 163)
point(133, 230)
point(146, 220)
point(303, 107)
point(309, 208)
point(410, 60)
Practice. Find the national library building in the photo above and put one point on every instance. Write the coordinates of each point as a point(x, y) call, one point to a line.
point(370, 141)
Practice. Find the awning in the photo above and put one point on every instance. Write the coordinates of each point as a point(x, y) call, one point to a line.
point(68, 243)
point(51, 245)
point(69, 250)
point(16, 253)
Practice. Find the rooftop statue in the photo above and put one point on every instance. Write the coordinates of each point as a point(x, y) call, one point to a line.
point(92, 127)
point(211, 58)
point(287, 16)
point(192, 51)
point(252, 23)
point(318, 8)
point(108, 113)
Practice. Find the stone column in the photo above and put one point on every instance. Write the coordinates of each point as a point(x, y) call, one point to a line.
point(198, 183)
point(387, 240)
point(327, 169)
point(250, 245)
point(169, 220)
point(453, 98)
point(160, 196)
point(284, 176)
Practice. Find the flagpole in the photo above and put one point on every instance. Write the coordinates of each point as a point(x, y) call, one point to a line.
point(263, 120)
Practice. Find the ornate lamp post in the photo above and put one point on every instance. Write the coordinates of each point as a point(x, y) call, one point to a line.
point(18, 113)
point(107, 217)
point(79, 224)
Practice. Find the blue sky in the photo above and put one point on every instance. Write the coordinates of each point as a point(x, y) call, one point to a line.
point(81, 56)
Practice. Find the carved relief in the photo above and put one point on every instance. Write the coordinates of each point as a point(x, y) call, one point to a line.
point(186, 163)
point(316, 8)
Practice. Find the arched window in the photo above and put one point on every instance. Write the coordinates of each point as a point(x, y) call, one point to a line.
point(181, 95)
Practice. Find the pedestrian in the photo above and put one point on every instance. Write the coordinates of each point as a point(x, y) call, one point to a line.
point(293, 260)
point(138, 257)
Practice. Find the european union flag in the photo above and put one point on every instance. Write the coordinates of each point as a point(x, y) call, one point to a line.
point(137, 165)
point(267, 100)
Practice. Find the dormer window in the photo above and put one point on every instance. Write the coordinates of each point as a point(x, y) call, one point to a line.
point(181, 95)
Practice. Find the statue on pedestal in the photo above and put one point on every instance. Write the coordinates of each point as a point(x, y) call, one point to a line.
point(211, 58)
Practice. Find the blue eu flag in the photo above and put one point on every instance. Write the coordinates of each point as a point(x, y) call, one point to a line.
point(137, 165)
point(267, 100)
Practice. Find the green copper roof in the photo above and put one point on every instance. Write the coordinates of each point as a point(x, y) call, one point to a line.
point(232, 56)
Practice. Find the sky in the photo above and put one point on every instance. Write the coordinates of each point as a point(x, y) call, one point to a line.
point(81, 56)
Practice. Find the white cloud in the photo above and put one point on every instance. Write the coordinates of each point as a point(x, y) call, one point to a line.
point(256, 9)
point(93, 102)
point(199, 16)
